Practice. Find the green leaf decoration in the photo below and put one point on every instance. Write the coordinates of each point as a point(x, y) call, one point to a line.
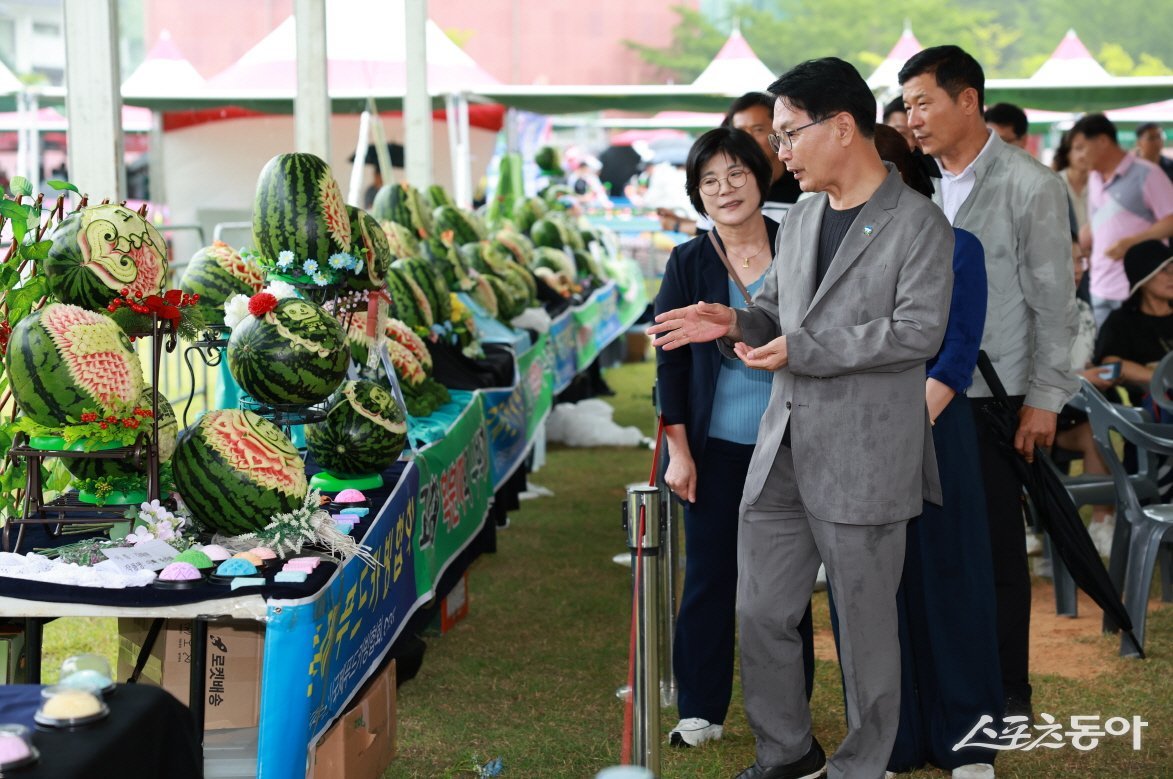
point(21, 186)
point(59, 185)
point(17, 212)
point(22, 299)
point(38, 250)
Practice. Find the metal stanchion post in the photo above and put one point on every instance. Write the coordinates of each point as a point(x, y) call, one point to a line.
point(644, 502)
point(672, 583)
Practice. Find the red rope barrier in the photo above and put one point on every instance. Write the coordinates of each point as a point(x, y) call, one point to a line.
point(629, 705)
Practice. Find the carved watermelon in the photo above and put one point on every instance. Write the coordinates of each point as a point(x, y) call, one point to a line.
point(364, 431)
point(299, 208)
point(399, 331)
point(101, 250)
point(370, 245)
point(168, 432)
point(235, 470)
point(295, 354)
point(216, 273)
point(407, 367)
point(64, 360)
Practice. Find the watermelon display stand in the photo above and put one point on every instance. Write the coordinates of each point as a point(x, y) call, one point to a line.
point(210, 351)
point(73, 508)
point(329, 482)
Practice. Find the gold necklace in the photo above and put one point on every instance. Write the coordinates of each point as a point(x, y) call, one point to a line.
point(745, 260)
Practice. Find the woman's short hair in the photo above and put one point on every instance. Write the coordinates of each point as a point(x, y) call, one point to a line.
point(737, 145)
point(894, 149)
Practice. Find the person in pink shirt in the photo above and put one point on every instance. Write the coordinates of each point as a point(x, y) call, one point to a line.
point(1129, 200)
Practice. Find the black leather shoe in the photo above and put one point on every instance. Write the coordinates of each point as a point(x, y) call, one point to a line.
point(811, 765)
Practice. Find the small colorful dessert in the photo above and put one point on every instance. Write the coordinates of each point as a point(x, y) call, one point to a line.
point(291, 576)
point(302, 563)
point(357, 511)
point(215, 552)
point(197, 557)
point(248, 581)
point(180, 572)
point(88, 679)
point(16, 747)
point(350, 495)
point(236, 566)
point(64, 707)
point(251, 557)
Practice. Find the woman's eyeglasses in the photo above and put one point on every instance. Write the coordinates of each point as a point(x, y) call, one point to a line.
point(711, 185)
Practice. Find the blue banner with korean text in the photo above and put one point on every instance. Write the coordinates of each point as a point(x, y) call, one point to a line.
point(320, 650)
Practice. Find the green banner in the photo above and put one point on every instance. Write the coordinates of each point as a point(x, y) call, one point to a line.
point(537, 382)
point(586, 318)
point(455, 487)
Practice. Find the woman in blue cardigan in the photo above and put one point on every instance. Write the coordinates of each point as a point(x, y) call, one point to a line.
point(711, 407)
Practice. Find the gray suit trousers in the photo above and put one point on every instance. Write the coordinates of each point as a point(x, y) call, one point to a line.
point(779, 547)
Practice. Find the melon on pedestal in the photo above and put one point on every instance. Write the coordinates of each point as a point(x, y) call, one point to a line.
point(364, 431)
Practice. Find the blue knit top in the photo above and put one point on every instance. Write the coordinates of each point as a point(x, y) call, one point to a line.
point(742, 393)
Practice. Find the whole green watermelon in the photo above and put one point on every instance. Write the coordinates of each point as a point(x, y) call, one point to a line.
point(63, 361)
point(168, 432)
point(299, 208)
point(217, 273)
point(370, 246)
point(235, 470)
point(364, 431)
point(295, 354)
point(101, 250)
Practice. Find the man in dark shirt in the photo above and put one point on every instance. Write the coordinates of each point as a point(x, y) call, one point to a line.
point(1150, 139)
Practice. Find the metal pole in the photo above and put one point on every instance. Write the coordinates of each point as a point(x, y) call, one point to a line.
point(672, 583)
point(643, 525)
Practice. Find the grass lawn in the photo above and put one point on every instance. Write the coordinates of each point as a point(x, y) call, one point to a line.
point(530, 676)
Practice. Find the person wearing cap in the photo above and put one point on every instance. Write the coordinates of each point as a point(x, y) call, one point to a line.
point(1139, 333)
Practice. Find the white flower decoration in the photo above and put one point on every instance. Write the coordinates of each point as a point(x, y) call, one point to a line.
point(235, 310)
point(281, 289)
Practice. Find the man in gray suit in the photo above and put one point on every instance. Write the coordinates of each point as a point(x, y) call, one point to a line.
point(857, 302)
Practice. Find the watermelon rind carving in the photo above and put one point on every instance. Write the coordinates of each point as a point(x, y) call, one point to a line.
point(235, 471)
point(64, 360)
point(101, 250)
point(217, 273)
point(106, 468)
point(365, 430)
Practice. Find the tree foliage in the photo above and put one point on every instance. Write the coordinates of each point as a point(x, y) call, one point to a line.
point(1010, 38)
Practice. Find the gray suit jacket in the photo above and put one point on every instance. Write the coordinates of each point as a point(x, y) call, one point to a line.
point(853, 393)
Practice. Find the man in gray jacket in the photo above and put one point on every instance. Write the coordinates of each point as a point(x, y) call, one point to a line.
point(856, 302)
point(1018, 209)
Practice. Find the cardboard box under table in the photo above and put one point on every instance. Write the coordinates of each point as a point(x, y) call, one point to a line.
point(361, 744)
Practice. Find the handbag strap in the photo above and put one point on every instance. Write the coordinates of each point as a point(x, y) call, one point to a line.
point(732, 273)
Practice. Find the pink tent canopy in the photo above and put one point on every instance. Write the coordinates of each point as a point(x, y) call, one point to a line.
point(366, 53)
point(885, 77)
point(165, 71)
point(1071, 63)
point(735, 69)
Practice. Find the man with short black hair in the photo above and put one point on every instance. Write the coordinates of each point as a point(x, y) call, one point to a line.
point(1150, 139)
point(897, 118)
point(1018, 209)
point(857, 301)
point(1128, 201)
point(1010, 122)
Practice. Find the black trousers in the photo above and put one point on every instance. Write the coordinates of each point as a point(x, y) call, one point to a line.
point(1004, 503)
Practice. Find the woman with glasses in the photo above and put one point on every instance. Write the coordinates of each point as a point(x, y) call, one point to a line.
point(711, 407)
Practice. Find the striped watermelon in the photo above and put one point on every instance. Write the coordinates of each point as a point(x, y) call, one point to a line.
point(63, 360)
point(364, 431)
point(556, 260)
point(408, 302)
point(404, 204)
point(235, 471)
point(407, 367)
point(295, 354)
point(510, 299)
point(400, 239)
point(445, 256)
point(101, 250)
point(516, 244)
point(299, 208)
point(464, 227)
point(439, 196)
point(483, 293)
point(431, 282)
point(216, 273)
point(405, 336)
point(370, 245)
point(168, 432)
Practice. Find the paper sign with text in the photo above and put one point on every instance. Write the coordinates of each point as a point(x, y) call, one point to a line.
point(147, 556)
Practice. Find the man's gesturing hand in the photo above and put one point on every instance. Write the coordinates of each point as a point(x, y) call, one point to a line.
point(695, 324)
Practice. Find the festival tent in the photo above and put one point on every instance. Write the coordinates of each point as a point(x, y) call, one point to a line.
point(884, 79)
point(1071, 62)
point(735, 68)
point(164, 71)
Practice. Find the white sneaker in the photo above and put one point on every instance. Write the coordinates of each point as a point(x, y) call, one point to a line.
point(693, 732)
point(974, 771)
point(821, 579)
point(1101, 533)
point(1034, 544)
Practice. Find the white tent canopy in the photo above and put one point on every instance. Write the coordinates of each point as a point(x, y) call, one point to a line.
point(885, 77)
point(735, 68)
point(164, 71)
point(1071, 63)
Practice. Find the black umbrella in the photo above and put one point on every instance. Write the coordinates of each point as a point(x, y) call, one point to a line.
point(1055, 509)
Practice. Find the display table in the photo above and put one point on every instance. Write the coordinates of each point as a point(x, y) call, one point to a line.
point(148, 733)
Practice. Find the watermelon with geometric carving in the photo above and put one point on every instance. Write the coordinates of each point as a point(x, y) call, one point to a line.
point(364, 431)
point(63, 361)
point(217, 273)
point(235, 470)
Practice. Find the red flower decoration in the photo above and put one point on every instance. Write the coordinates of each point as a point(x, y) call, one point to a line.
point(261, 304)
point(89, 416)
